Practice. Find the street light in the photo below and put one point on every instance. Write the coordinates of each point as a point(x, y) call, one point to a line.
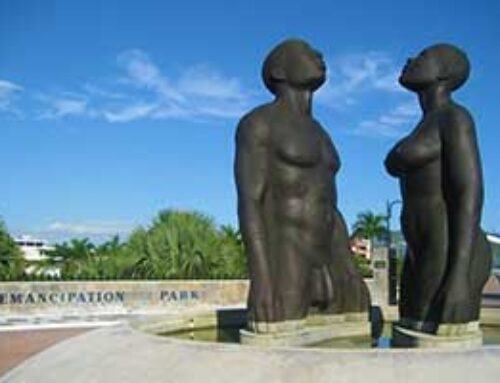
point(392, 272)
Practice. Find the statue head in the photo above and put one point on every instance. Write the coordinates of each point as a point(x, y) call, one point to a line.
point(438, 64)
point(294, 63)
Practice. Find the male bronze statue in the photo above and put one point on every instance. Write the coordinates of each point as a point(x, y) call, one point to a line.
point(439, 168)
point(295, 238)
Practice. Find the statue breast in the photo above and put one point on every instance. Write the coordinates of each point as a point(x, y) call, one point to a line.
point(298, 148)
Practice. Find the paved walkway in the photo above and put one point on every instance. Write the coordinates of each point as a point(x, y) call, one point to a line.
point(16, 346)
point(24, 336)
point(27, 322)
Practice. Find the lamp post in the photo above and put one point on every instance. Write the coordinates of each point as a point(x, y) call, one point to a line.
point(392, 272)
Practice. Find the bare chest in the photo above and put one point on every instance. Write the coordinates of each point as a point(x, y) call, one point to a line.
point(305, 145)
point(421, 146)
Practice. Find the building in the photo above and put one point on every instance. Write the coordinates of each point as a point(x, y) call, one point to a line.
point(35, 251)
point(362, 247)
point(494, 240)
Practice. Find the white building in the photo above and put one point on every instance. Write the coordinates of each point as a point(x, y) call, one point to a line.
point(35, 250)
point(362, 247)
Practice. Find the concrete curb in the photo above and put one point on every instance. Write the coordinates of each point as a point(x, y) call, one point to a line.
point(122, 354)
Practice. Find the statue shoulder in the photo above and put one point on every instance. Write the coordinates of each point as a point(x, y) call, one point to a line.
point(254, 127)
point(456, 119)
point(458, 133)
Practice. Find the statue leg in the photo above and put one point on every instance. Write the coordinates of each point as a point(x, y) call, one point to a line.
point(294, 287)
point(480, 272)
point(407, 289)
point(429, 269)
point(350, 293)
point(322, 287)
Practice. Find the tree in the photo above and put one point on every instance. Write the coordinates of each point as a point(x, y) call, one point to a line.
point(110, 261)
point(233, 253)
point(178, 245)
point(74, 259)
point(369, 225)
point(363, 265)
point(12, 263)
point(187, 245)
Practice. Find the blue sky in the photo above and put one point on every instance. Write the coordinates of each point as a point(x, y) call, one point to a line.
point(113, 110)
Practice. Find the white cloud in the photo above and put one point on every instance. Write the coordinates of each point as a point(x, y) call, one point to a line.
point(173, 111)
point(97, 91)
point(222, 111)
point(389, 124)
point(350, 76)
point(377, 129)
point(200, 93)
point(8, 91)
point(143, 73)
point(141, 89)
point(391, 120)
point(388, 82)
point(361, 81)
point(57, 107)
point(407, 109)
point(89, 228)
point(129, 113)
point(205, 82)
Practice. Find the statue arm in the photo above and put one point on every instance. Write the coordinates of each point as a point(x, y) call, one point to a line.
point(463, 192)
point(251, 177)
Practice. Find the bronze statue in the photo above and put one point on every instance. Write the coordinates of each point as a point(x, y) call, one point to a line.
point(439, 168)
point(295, 238)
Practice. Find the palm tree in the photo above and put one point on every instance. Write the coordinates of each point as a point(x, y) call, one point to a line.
point(75, 259)
point(369, 225)
point(232, 234)
point(12, 263)
point(178, 245)
point(110, 260)
point(188, 245)
point(233, 253)
point(146, 264)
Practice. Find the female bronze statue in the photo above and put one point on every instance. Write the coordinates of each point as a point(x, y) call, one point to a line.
point(439, 168)
point(295, 238)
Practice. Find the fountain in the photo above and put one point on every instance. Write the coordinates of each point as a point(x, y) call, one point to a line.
point(307, 306)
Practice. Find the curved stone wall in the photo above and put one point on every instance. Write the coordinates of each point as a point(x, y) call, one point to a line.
point(117, 297)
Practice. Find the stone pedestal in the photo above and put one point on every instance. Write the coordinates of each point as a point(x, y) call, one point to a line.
point(461, 336)
point(380, 266)
point(315, 329)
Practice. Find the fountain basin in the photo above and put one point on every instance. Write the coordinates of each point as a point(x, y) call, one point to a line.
point(128, 353)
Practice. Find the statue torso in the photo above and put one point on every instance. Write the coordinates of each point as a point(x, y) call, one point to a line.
point(420, 157)
point(302, 163)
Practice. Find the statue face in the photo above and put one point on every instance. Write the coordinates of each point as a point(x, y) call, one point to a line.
point(305, 67)
point(421, 72)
